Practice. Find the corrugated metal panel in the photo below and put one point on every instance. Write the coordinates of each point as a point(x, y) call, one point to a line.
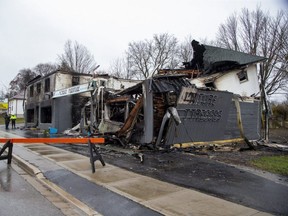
point(232, 129)
point(250, 114)
point(196, 127)
point(201, 122)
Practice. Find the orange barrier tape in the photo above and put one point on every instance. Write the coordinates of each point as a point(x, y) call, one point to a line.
point(53, 140)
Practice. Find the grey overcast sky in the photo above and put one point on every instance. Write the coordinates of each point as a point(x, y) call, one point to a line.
point(35, 31)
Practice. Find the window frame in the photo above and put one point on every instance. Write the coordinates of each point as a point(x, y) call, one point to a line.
point(242, 76)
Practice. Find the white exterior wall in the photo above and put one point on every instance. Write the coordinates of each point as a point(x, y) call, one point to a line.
point(62, 81)
point(16, 107)
point(116, 84)
point(198, 82)
point(230, 82)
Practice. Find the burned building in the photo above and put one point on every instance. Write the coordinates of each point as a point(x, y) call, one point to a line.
point(198, 103)
point(215, 97)
point(167, 109)
point(58, 99)
point(44, 111)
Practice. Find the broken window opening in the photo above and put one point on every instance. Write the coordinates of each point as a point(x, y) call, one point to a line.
point(30, 116)
point(102, 83)
point(75, 80)
point(210, 85)
point(31, 91)
point(117, 112)
point(78, 102)
point(46, 114)
point(47, 85)
point(242, 76)
point(38, 88)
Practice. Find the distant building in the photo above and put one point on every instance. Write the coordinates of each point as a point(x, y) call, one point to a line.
point(16, 105)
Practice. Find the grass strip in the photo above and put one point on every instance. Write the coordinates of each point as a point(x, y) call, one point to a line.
point(274, 164)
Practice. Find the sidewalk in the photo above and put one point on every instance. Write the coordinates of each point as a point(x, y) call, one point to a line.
point(115, 191)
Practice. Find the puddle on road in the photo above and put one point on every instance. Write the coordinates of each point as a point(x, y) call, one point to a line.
point(5, 179)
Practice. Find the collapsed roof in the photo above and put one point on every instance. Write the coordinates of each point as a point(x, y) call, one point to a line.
point(161, 83)
point(210, 59)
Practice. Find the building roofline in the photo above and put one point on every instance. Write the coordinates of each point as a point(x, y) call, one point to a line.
point(39, 77)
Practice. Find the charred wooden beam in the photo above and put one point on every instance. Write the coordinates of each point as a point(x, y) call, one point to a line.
point(131, 120)
point(190, 73)
point(118, 99)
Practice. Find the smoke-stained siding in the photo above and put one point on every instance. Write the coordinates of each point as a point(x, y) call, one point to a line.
point(211, 117)
point(250, 115)
point(61, 116)
point(203, 114)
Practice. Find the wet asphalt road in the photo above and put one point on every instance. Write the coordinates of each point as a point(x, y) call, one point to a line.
point(17, 197)
point(202, 174)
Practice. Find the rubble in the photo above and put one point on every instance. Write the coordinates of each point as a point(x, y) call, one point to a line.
point(157, 113)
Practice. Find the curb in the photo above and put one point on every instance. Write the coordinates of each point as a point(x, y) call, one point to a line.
point(34, 171)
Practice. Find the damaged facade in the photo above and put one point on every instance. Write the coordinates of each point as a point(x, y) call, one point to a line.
point(222, 69)
point(212, 98)
point(168, 109)
point(57, 99)
point(42, 111)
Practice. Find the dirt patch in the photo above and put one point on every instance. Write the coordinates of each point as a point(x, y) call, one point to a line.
point(239, 154)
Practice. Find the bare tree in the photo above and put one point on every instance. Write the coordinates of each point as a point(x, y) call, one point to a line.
point(4, 90)
point(228, 33)
point(20, 81)
point(121, 68)
point(185, 52)
point(3, 94)
point(258, 33)
point(146, 57)
point(76, 58)
point(118, 68)
point(44, 68)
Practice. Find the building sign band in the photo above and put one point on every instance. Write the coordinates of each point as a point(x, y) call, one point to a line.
point(203, 115)
point(72, 90)
point(201, 106)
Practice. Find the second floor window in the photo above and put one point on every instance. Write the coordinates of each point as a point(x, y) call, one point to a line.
point(47, 85)
point(38, 88)
point(242, 76)
point(75, 80)
point(31, 91)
